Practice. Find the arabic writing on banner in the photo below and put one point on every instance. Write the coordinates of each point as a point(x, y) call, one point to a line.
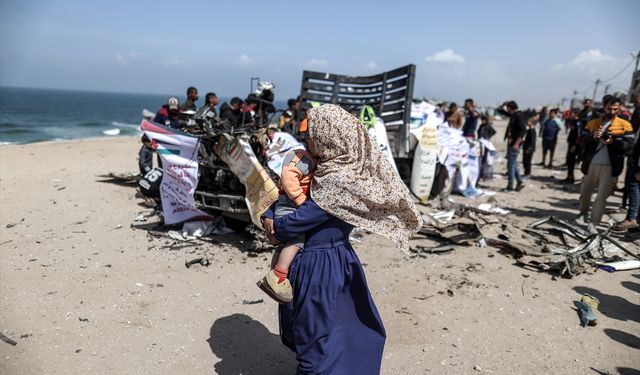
point(179, 154)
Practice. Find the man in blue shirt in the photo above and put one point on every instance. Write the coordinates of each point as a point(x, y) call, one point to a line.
point(550, 137)
point(471, 119)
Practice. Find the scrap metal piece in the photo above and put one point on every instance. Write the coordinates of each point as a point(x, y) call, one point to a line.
point(202, 261)
point(577, 232)
point(421, 250)
point(7, 340)
point(518, 248)
point(616, 243)
point(459, 232)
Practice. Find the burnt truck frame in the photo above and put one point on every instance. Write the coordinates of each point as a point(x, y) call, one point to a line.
point(388, 93)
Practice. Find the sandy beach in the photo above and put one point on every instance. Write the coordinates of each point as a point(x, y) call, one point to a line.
point(84, 289)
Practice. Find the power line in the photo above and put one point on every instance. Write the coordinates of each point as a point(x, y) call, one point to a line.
point(620, 72)
point(587, 89)
point(607, 80)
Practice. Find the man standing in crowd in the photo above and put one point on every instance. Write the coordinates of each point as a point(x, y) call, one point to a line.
point(629, 176)
point(211, 102)
point(632, 189)
point(550, 137)
point(453, 116)
point(471, 120)
point(588, 113)
point(514, 136)
point(603, 158)
point(575, 126)
point(192, 98)
point(529, 146)
point(233, 112)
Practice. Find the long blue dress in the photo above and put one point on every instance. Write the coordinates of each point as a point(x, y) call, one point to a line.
point(332, 324)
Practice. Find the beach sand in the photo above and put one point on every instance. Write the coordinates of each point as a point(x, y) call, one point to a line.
point(82, 291)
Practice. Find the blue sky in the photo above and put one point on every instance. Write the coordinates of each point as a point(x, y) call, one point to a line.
point(532, 51)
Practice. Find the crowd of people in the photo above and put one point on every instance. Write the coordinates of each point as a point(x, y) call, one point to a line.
point(603, 141)
point(256, 108)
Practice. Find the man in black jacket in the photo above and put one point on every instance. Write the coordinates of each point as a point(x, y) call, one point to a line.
point(633, 191)
point(632, 177)
point(588, 113)
point(575, 126)
point(529, 146)
point(233, 112)
point(516, 131)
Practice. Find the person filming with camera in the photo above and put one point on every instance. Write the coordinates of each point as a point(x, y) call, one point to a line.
point(610, 137)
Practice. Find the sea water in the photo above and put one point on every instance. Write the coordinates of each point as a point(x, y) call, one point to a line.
point(36, 115)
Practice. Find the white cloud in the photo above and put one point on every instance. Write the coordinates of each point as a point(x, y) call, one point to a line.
point(244, 60)
point(447, 55)
point(372, 66)
point(315, 63)
point(591, 56)
point(586, 60)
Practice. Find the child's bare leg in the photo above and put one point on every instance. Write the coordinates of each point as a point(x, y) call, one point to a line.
point(275, 257)
point(286, 257)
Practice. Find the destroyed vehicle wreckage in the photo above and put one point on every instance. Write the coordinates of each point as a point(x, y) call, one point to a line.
point(549, 244)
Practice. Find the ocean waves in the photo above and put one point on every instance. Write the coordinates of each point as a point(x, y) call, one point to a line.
point(69, 115)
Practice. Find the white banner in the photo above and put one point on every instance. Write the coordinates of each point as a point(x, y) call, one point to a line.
point(179, 154)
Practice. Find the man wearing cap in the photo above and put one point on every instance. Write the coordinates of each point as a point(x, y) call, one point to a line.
point(168, 114)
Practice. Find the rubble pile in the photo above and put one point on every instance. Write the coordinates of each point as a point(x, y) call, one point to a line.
point(549, 244)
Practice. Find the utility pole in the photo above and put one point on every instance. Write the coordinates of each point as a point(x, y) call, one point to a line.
point(606, 89)
point(595, 89)
point(633, 76)
point(257, 80)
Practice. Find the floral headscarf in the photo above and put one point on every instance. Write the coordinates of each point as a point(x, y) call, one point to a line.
point(353, 181)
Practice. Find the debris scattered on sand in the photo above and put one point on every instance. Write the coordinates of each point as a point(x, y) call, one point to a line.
point(587, 306)
point(549, 244)
point(202, 261)
point(255, 302)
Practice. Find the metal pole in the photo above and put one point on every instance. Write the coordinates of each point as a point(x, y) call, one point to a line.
point(257, 79)
point(593, 99)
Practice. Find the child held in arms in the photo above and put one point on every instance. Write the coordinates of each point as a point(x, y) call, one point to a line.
point(295, 179)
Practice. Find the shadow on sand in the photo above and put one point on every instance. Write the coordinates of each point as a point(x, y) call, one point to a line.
point(245, 346)
point(614, 307)
point(625, 338)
